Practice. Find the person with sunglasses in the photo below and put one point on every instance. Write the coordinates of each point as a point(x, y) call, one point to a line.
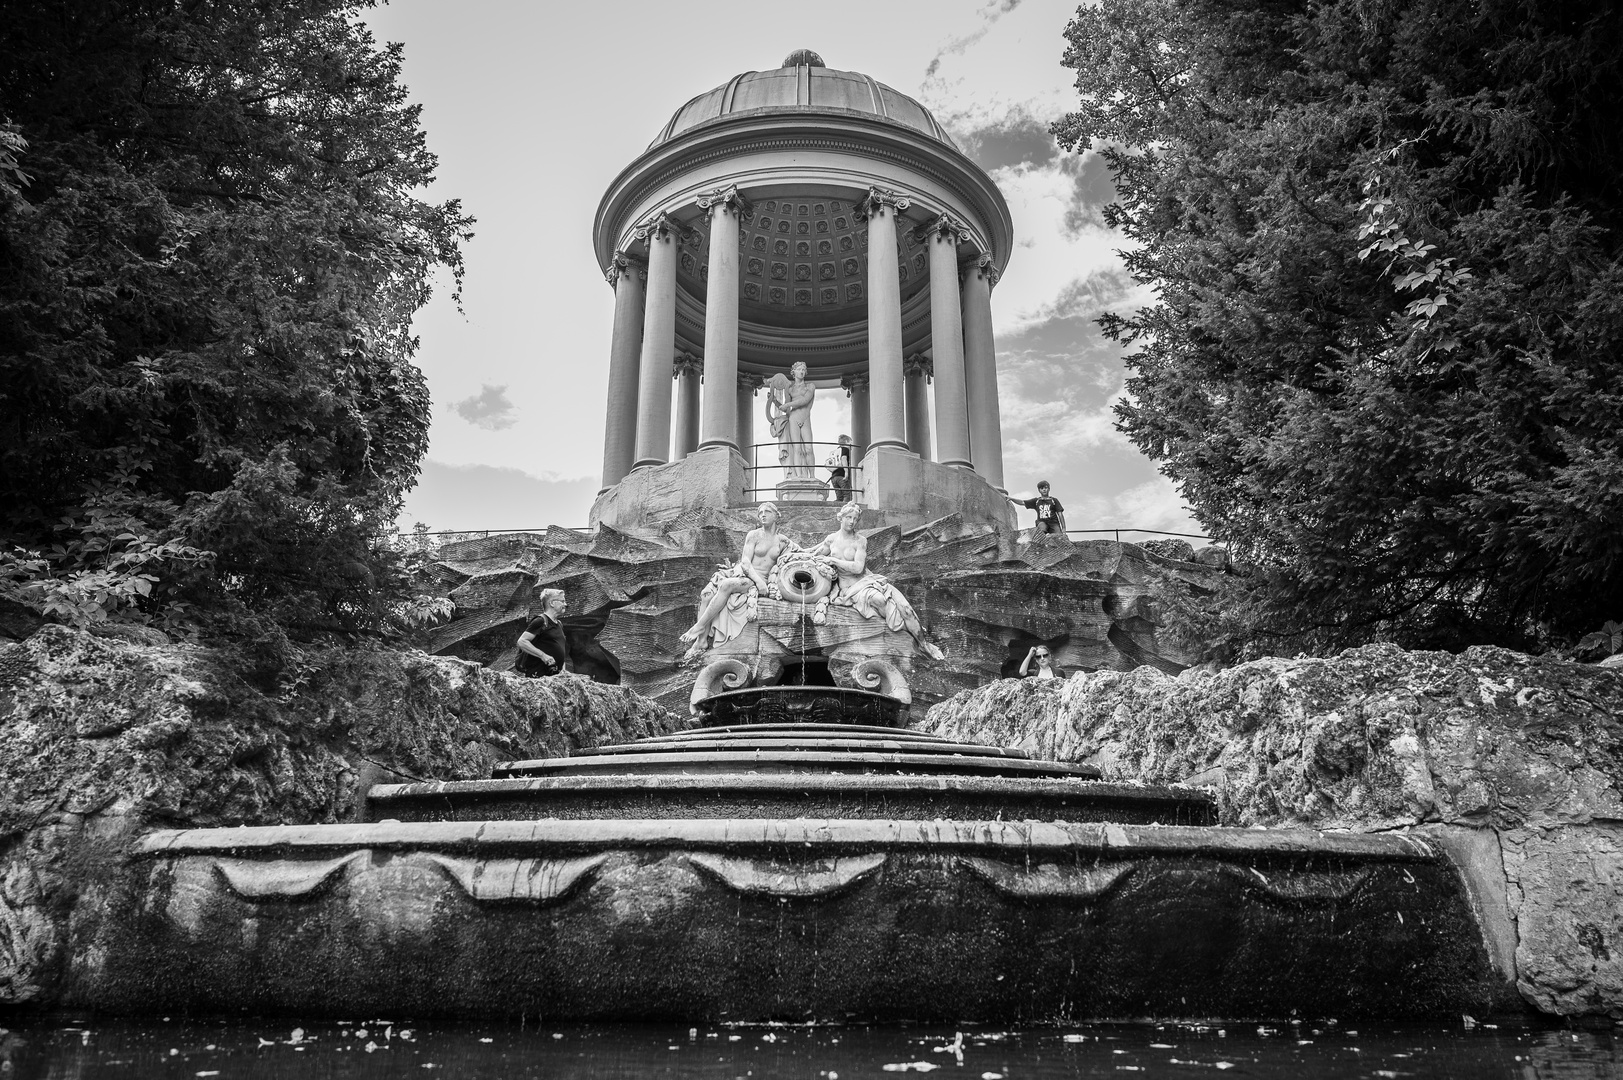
point(1044, 660)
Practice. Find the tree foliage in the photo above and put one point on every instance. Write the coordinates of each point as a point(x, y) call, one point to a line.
point(212, 242)
point(1383, 362)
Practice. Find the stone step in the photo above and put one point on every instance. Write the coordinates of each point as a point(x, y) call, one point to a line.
point(791, 795)
point(765, 730)
point(810, 741)
point(792, 761)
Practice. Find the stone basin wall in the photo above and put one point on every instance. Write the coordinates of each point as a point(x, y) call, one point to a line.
point(1514, 762)
point(101, 739)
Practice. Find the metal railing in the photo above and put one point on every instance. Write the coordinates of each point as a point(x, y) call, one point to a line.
point(485, 534)
point(766, 478)
point(1153, 532)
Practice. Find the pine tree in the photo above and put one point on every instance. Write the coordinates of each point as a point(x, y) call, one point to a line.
point(1385, 362)
point(212, 242)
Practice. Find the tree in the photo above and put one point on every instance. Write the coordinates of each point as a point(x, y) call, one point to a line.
point(1383, 361)
point(211, 247)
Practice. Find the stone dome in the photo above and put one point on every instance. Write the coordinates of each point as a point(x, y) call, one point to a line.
point(803, 85)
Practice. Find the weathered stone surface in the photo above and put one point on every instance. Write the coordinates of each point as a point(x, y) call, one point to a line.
point(794, 919)
point(982, 597)
point(1379, 738)
point(100, 738)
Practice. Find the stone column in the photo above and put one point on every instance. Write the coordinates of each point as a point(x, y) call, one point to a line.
point(747, 385)
point(856, 386)
point(724, 208)
point(687, 371)
point(947, 343)
point(980, 372)
point(885, 401)
point(917, 369)
point(658, 343)
point(629, 276)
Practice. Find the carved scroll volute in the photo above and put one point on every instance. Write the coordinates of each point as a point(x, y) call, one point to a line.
point(984, 266)
point(727, 199)
point(882, 197)
point(719, 676)
point(623, 263)
point(882, 677)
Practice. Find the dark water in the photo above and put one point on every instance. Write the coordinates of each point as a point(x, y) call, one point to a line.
point(280, 1050)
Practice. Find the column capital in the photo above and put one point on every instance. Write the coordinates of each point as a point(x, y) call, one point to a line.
point(985, 267)
point(661, 225)
point(686, 364)
point(623, 262)
point(943, 225)
point(918, 364)
point(855, 382)
point(750, 383)
point(878, 196)
point(726, 198)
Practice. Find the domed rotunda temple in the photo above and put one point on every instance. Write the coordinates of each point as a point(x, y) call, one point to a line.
point(802, 215)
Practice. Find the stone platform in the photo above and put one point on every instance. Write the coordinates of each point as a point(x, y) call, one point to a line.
point(792, 919)
point(786, 872)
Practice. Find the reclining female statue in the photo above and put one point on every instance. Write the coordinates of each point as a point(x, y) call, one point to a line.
point(727, 603)
point(872, 595)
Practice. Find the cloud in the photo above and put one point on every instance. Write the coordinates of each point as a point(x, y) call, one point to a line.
point(996, 138)
point(1085, 298)
point(1060, 379)
point(488, 409)
point(470, 497)
point(991, 13)
point(1155, 504)
point(1091, 190)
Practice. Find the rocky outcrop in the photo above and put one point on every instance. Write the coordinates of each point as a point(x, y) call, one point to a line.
point(101, 739)
point(1516, 762)
point(982, 596)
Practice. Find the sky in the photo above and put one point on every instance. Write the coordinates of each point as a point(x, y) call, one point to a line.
point(534, 107)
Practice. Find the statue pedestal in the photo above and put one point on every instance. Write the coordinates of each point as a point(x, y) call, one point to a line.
point(803, 489)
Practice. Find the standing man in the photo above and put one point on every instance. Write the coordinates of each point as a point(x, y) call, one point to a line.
point(839, 466)
point(542, 649)
point(1050, 514)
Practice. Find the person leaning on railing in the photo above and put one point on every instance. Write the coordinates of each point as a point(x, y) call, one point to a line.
point(839, 466)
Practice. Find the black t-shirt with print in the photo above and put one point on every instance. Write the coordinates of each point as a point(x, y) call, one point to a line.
point(1048, 511)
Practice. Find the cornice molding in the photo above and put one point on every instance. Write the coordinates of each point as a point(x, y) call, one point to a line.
point(862, 136)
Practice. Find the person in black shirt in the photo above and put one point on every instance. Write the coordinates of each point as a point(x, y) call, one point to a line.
point(1050, 514)
point(839, 464)
point(542, 649)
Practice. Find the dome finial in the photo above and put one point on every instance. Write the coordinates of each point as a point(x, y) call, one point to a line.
point(803, 58)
